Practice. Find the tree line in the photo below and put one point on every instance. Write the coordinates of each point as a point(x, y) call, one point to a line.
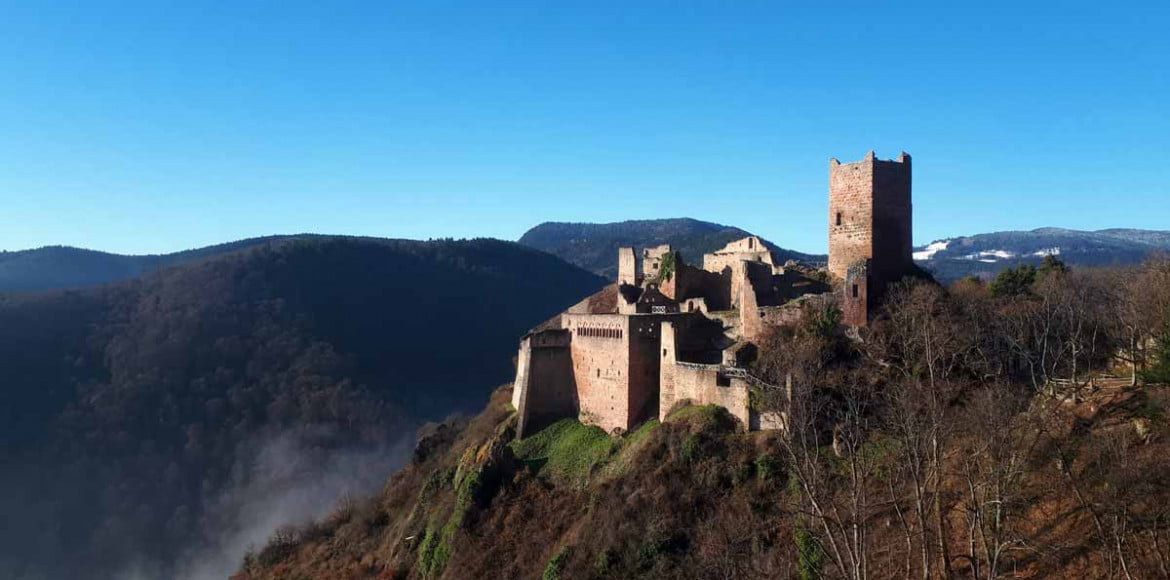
point(988, 427)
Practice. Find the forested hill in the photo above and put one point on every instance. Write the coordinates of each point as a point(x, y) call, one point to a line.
point(63, 267)
point(594, 246)
point(150, 423)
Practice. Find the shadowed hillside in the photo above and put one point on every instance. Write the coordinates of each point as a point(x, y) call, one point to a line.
point(594, 246)
point(169, 419)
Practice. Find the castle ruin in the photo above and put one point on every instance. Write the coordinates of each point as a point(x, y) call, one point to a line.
point(667, 333)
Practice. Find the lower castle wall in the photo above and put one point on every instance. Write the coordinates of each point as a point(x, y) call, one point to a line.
point(544, 389)
point(601, 364)
point(696, 383)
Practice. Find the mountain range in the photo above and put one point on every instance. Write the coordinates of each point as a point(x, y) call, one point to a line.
point(984, 255)
point(594, 246)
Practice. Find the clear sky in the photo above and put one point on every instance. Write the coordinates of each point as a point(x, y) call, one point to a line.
point(153, 126)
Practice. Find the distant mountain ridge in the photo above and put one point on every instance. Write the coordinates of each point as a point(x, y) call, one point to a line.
point(986, 254)
point(594, 246)
point(66, 267)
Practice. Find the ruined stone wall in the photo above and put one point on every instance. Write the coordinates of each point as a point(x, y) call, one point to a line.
point(751, 324)
point(652, 260)
point(601, 364)
point(627, 267)
point(705, 385)
point(855, 295)
point(751, 249)
point(758, 273)
point(690, 282)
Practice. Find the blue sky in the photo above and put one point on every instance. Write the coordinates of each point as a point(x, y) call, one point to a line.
point(143, 127)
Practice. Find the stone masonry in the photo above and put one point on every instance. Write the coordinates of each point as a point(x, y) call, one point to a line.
point(657, 339)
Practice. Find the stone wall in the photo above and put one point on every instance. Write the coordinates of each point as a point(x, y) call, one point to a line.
point(855, 295)
point(697, 384)
point(644, 342)
point(690, 282)
point(627, 267)
point(601, 366)
point(652, 260)
point(751, 249)
point(892, 222)
point(544, 389)
point(751, 324)
point(850, 213)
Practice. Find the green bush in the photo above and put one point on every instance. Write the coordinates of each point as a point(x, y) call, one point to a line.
point(810, 555)
point(768, 466)
point(1159, 372)
point(556, 565)
point(691, 448)
point(602, 563)
point(434, 551)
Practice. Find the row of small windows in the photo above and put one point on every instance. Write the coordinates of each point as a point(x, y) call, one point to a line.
point(599, 332)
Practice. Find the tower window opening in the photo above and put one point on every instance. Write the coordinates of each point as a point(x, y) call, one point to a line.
point(855, 290)
point(838, 218)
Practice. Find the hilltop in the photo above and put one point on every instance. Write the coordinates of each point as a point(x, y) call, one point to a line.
point(594, 246)
point(965, 433)
point(161, 419)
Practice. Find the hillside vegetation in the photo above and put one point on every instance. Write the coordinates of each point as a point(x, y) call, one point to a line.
point(973, 433)
point(594, 246)
point(146, 420)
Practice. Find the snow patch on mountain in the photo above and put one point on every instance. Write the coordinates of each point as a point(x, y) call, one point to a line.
point(990, 256)
point(931, 249)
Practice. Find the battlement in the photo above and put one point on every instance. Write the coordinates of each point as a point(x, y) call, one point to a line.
point(870, 158)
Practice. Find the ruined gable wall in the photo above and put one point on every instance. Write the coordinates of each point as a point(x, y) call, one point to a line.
point(600, 364)
point(750, 249)
point(850, 213)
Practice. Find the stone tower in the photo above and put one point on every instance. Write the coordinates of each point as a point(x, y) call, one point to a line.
point(870, 229)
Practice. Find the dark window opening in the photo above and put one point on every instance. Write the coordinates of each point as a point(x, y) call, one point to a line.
point(855, 290)
point(722, 381)
point(664, 353)
point(751, 243)
point(838, 218)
